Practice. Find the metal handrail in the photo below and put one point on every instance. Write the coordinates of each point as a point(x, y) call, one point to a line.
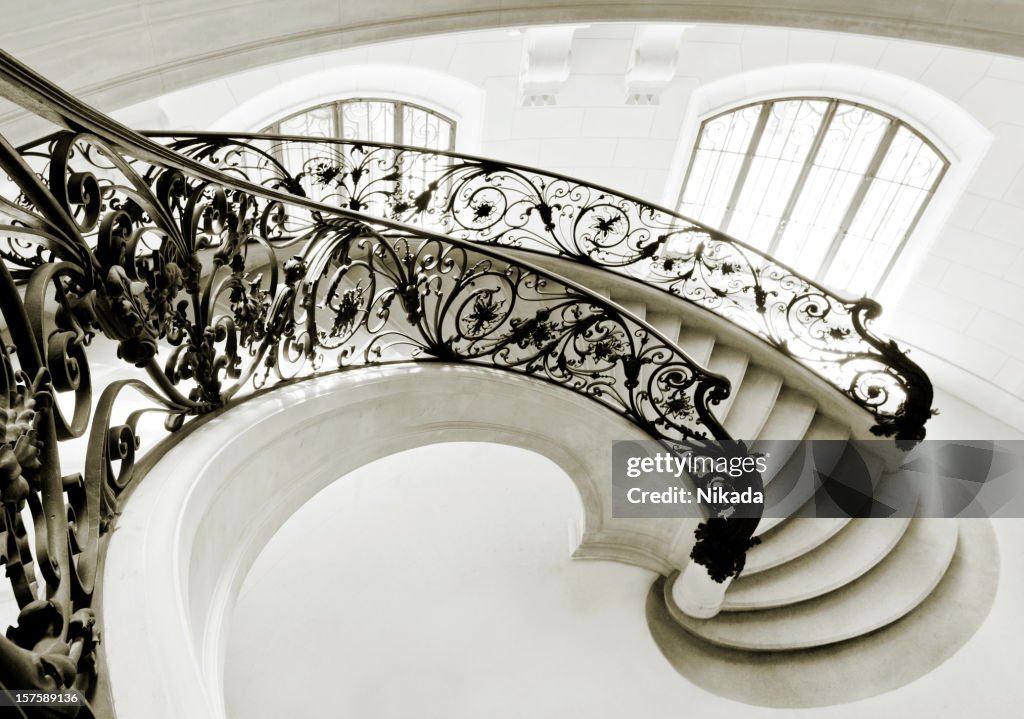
point(507, 204)
point(216, 287)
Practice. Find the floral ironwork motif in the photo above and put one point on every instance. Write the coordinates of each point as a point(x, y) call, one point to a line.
point(504, 204)
point(213, 288)
point(221, 270)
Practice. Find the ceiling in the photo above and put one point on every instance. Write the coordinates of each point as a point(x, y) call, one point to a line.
point(116, 53)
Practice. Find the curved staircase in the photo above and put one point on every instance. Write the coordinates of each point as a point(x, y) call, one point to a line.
point(811, 582)
point(794, 606)
point(801, 586)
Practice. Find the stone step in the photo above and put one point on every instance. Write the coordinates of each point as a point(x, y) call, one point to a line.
point(783, 482)
point(780, 484)
point(789, 540)
point(666, 323)
point(697, 344)
point(854, 550)
point(779, 437)
point(637, 309)
point(754, 403)
point(889, 591)
point(825, 427)
point(791, 416)
point(731, 363)
point(866, 666)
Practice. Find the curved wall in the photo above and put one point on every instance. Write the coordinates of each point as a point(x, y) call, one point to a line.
point(454, 97)
point(436, 583)
point(193, 526)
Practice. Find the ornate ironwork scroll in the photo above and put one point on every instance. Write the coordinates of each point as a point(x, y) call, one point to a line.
point(212, 287)
point(213, 282)
point(509, 205)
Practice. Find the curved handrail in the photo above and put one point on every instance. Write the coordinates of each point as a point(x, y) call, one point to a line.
point(103, 232)
point(507, 204)
point(120, 211)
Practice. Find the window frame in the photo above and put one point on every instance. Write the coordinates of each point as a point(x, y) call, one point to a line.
point(337, 114)
point(820, 272)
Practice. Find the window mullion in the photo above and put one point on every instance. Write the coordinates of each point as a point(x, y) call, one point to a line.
point(451, 132)
point(339, 119)
point(910, 230)
point(748, 159)
point(805, 172)
point(858, 198)
point(276, 148)
point(399, 123)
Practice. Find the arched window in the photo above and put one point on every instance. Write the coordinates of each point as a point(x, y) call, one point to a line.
point(371, 119)
point(827, 186)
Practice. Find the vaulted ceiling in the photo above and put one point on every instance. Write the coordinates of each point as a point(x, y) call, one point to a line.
point(116, 53)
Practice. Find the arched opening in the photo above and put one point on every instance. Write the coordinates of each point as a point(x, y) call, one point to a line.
point(831, 187)
point(956, 134)
point(372, 119)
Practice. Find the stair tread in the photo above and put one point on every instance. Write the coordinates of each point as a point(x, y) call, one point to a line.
point(666, 323)
point(791, 416)
point(697, 344)
point(779, 487)
point(754, 403)
point(887, 592)
point(852, 551)
point(732, 364)
point(792, 538)
point(782, 493)
point(825, 427)
point(637, 309)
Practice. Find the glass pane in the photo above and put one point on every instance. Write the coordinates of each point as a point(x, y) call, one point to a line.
point(425, 129)
point(372, 120)
point(318, 122)
point(809, 233)
point(911, 161)
point(903, 184)
point(716, 163)
point(850, 142)
point(787, 139)
point(863, 256)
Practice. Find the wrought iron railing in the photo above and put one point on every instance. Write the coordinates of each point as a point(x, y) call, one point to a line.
point(215, 287)
point(491, 202)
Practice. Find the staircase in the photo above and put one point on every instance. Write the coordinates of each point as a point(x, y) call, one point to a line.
point(827, 591)
point(810, 582)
